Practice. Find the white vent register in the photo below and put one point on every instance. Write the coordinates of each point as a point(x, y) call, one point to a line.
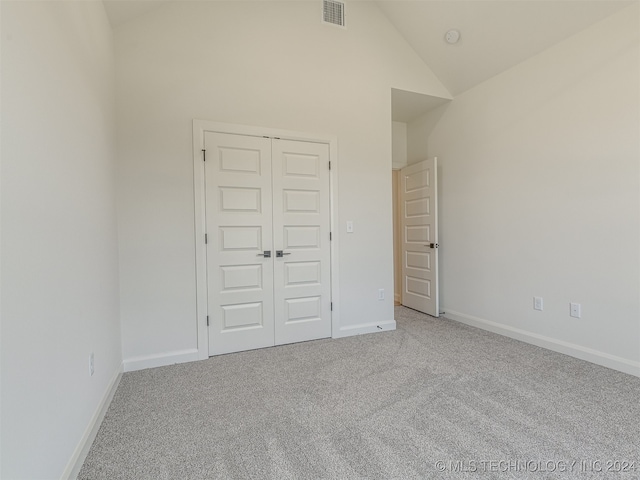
point(333, 12)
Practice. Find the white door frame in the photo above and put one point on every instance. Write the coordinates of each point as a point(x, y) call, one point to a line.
point(201, 126)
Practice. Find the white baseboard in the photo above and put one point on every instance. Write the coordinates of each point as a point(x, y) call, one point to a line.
point(81, 451)
point(160, 360)
point(584, 353)
point(365, 328)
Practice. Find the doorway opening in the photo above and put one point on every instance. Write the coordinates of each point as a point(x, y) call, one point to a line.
point(414, 200)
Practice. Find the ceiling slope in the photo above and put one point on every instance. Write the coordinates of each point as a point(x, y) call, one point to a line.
point(495, 34)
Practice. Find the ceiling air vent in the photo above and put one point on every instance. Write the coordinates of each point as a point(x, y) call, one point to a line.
point(333, 12)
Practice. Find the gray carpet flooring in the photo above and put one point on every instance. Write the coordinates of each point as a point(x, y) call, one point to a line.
point(433, 399)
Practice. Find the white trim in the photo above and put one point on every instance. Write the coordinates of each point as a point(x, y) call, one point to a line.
point(200, 222)
point(578, 351)
point(335, 237)
point(362, 328)
point(201, 126)
point(82, 449)
point(160, 360)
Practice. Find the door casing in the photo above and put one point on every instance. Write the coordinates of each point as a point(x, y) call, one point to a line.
point(199, 129)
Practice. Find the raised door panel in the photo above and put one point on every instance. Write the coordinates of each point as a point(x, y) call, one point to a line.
point(240, 200)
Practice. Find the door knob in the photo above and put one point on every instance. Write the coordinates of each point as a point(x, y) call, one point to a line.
point(432, 245)
point(266, 254)
point(280, 253)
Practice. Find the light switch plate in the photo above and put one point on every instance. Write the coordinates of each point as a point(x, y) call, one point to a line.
point(538, 303)
point(349, 226)
point(575, 310)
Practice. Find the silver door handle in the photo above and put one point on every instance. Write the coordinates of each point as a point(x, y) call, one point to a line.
point(266, 254)
point(432, 245)
point(280, 253)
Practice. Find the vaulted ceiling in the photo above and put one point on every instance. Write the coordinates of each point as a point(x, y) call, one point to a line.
point(495, 35)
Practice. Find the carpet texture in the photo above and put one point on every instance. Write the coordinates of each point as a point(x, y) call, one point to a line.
point(433, 399)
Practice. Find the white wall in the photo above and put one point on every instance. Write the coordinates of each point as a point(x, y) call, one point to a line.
point(418, 131)
point(398, 144)
point(59, 244)
point(270, 64)
point(540, 196)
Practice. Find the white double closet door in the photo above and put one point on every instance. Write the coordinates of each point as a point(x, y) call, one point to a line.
point(268, 250)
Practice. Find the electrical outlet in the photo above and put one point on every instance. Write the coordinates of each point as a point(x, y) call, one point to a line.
point(537, 303)
point(574, 310)
point(91, 364)
point(381, 294)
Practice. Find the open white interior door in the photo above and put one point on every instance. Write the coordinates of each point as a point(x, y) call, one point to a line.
point(419, 233)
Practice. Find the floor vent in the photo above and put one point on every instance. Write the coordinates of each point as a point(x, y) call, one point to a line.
point(333, 12)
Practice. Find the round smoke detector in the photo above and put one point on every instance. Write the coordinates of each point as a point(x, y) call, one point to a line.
point(452, 36)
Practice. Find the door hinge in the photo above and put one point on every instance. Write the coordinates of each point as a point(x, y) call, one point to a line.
point(330, 236)
point(329, 164)
point(206, 238)
point(332, 306)
point(204, 155)
point(207, 320)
